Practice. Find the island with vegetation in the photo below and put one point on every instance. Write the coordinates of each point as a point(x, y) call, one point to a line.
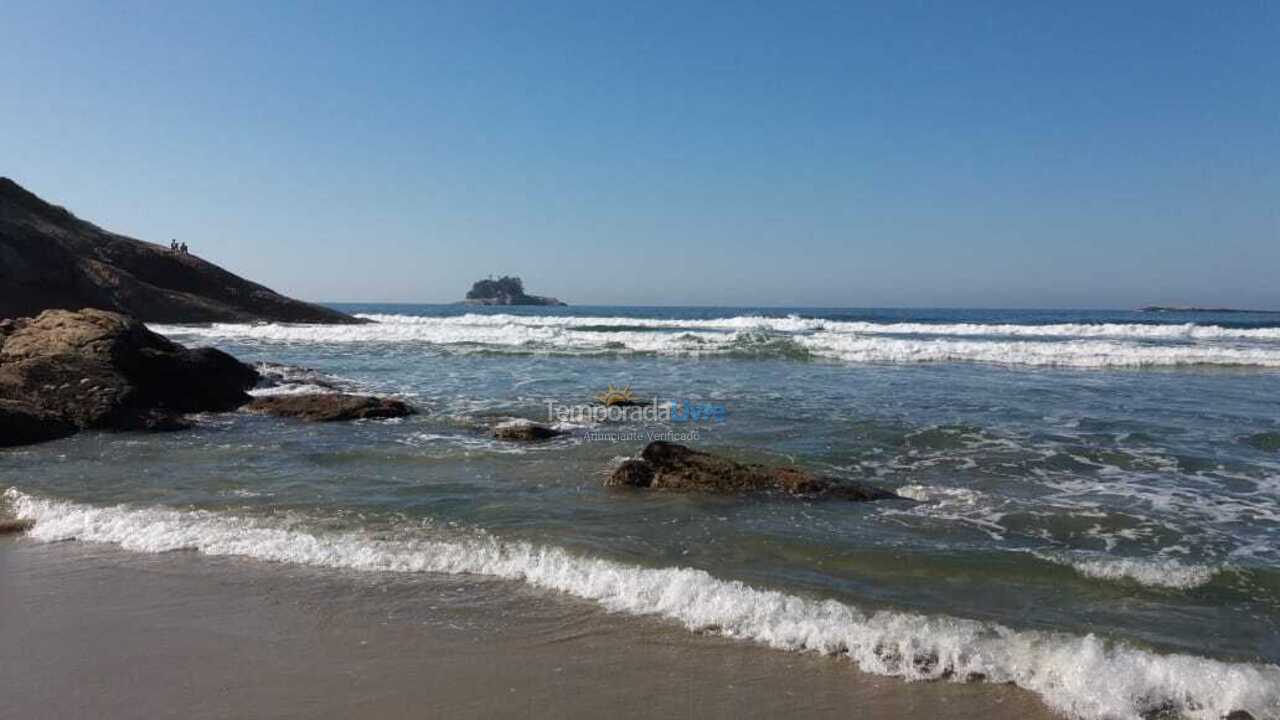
point(506, 290)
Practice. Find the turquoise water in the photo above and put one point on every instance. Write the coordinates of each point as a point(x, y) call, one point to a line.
point(1070, 474)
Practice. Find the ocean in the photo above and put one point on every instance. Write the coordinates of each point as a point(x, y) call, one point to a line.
point(1092, 501)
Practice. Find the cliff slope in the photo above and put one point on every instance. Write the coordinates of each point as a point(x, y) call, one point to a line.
point(50, 259)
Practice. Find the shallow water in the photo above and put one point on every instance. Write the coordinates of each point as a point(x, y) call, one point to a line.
point(1093, 496)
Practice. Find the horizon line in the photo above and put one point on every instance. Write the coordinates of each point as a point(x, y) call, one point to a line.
point(1155, 308)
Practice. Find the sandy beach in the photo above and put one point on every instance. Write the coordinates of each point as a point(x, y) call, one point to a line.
point(91, 631)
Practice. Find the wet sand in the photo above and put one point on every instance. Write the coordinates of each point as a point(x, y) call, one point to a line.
point(91, 631)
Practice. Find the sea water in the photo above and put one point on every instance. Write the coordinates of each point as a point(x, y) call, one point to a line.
point(1091, 498)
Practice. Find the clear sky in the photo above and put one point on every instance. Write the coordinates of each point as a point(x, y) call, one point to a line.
point(1069, 154)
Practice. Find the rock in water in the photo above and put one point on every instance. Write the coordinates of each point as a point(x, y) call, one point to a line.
point(668, 466)
point(632, 473)
point(23, 424)
point(330, 407)
point(525, 430)
point(99, 369)
point(13, 526)
point(1264, 441)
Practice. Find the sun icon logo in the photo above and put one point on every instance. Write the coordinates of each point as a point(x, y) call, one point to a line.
point(616, 396)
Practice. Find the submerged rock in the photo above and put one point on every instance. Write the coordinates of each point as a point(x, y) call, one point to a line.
point(13, 526)
point(525, 430)
point(1264, 441)
point(102, 370)
point(330, 407)
point(668, 466)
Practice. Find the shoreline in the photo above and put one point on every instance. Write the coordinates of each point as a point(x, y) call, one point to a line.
point(92, 630)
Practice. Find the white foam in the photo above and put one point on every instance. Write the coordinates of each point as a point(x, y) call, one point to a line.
point(935, 493)
point(1074, 353)
point(1085, 677)
point(1153, 572)
point(297, 389)
point(795, 323)
point(1067, 345)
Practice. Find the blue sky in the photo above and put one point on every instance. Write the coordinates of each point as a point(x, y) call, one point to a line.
point(838, 154)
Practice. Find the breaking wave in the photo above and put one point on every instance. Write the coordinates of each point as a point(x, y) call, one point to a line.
point(1087, 677)
point(1064, 345)
point(1167, 573)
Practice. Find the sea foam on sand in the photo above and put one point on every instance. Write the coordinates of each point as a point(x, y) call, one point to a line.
point(1086, 677)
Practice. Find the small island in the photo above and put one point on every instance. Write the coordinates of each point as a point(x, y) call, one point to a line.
point(506, 290)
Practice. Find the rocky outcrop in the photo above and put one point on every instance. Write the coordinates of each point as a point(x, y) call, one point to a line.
point(49, 258)
point(505, 290)
point(24, 424)
point(668, 466)
point(525, 430)
point(329, 407)
point(102, 370)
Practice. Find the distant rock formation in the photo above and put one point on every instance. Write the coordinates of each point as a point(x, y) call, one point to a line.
point(1194, 309)
point(668, 466)
point(506, 290)
point(50, 259)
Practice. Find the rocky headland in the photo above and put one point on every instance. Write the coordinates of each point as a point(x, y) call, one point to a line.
point(50, 259)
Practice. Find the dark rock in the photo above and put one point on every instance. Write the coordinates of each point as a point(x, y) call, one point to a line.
point(13, 526)
point(330, 407)
point(632, 473)
point(49, 258)
point(9, 326)
point(525, 430)
point(155, 421)
point(99, 369)
point(23, 424)
point(668, 466)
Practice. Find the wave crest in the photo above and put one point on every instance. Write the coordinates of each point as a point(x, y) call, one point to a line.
point(1082, 676)
point(1063, 345)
